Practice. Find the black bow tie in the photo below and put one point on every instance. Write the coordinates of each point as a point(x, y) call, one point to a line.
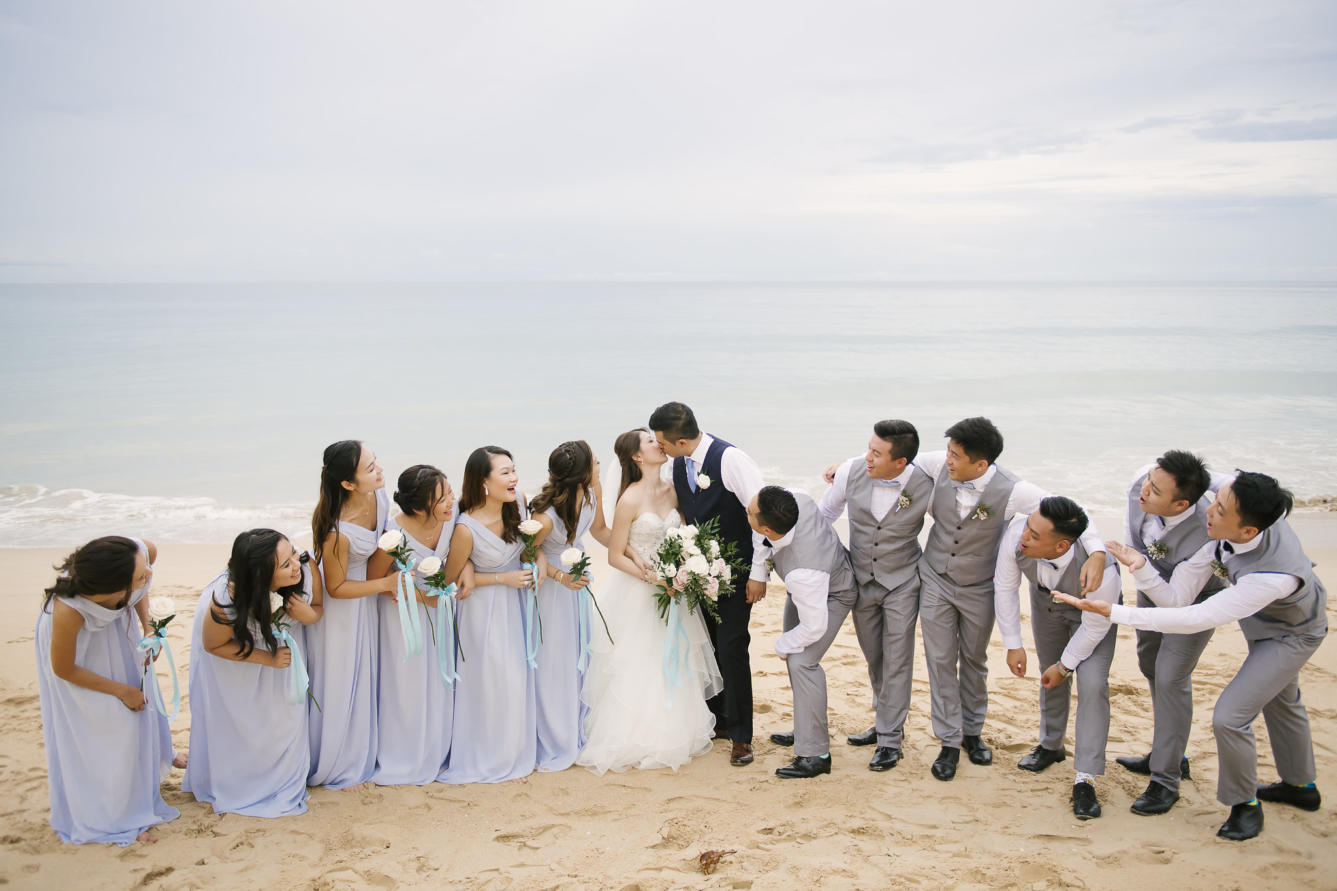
point(1227, 547)
point(768, 543)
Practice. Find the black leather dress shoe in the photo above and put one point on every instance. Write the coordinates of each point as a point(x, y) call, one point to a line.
point(1156, 800)
point(782, 739)
point(867, 738)
point(804, 767)
point(1084, 803)
point(884, 758)
point(1040, 758)
point(975, 748)
point(1306, 799)
point(1143, 766)
point(1245, 821)
point(944, 768)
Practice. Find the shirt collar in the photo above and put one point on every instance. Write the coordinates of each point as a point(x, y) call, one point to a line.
point(699, 456)
point(1172, 522)
point(983, 479)
point(1247, 546)
point(901, 479)
point(784, 541)
point(1061, 563)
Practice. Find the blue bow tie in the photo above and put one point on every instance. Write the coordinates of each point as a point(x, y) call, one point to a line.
point(888, 482)
point(970, 486)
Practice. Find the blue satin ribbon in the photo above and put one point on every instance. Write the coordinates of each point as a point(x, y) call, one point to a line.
point(583, 627)
point(298, 678)
point(445, 641)
point(151, 646)
point(533, 624)
point(410, 623)
point(676, 649)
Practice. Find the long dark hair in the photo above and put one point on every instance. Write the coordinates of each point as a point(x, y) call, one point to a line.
point(103, 566)
point(338, 466)
point(250, 569)
point(415, 492)
point(472, 495)
point(569, 468)
point(626, 447)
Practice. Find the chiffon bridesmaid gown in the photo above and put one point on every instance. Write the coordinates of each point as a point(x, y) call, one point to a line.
point(559, 678)
point(249, 752)
point(495, 734)
point(414, 705)
point(343, 670)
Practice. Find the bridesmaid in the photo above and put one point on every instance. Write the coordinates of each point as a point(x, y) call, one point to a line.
point(414, 704)
point(349, 518)
point(567, 508)
point(103, 745)
point(247, 734)
point(495, 734)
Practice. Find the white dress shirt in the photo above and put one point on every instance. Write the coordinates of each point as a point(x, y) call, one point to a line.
point(740, 475)
point(1175, 612)
point(1007, 602)
point(808, 589)
point(885, 492)
point(1025, 498)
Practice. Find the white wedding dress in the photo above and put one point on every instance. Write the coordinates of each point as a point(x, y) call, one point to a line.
point(638, 717)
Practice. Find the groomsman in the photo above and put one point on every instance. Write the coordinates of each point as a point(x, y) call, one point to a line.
point(820, 591)
point(1044, 548)
point(973, 500)
point(714, 479)
point(1167, 524)
point(1272, 591)
point(886, 497)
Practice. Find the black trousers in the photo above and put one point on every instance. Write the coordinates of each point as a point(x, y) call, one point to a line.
point(730, 635)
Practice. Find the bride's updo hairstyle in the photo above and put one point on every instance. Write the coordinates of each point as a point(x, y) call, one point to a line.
point(569, 468)
point(338, 466)
point(415, 492)
point(103, 566)
point(626, 447)
point(473, 491)
point(250, 570)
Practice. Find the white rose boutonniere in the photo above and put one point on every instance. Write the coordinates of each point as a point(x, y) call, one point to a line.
point(702, 481)
point(1219, 570)
point(982, 512)
point(904, 501)
point(1157, 550)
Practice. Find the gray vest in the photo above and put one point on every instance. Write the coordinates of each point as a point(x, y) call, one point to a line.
point(966, 551)
point(816, 546)
point(1069, 582)
point(1182, 542)
point(1299, 613)
point(886, 549)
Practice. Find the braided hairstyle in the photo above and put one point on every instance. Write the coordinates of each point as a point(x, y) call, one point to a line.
point(567, 490)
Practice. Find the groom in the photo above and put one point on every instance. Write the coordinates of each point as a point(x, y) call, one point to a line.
point(715, 480)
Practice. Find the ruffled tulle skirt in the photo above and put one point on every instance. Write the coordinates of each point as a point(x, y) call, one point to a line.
point(645, 693)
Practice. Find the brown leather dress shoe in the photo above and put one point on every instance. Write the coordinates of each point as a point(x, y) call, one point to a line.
point(741, 755)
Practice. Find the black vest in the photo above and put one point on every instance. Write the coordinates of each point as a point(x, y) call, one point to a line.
point(715, 502)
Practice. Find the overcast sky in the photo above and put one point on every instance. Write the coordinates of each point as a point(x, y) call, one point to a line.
point(769, 140)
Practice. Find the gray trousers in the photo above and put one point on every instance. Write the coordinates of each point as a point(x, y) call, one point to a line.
point(1268, 681)
point(807, 679)
point(957, 622)
point(1053, 626)
point(1167, 662)
point(884, 622)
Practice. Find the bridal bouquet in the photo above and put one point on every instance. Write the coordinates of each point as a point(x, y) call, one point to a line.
point(692, 565)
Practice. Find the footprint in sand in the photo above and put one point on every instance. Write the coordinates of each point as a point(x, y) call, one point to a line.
point(534, 838)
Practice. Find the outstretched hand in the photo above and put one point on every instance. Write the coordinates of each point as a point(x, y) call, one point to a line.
point(1089, 606)
point(1127, 556)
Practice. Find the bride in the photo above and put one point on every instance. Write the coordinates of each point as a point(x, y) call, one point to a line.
point(638, 717)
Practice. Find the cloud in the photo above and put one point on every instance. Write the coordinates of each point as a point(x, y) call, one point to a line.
point(1271, 131)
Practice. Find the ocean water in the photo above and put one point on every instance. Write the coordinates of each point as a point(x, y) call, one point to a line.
point(191, 412)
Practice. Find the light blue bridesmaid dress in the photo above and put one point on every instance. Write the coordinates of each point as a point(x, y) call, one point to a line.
point(249, 752)
point(343, 668)
point(414, 704)
point(104, 762)
point(495, 736)
point(558, 679)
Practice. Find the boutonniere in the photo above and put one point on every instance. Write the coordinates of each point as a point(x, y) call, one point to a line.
point(1219, 570)
point(770, 565)
point(702, 481)
point(904, 501)
point(1157, 550)
point(982, 512)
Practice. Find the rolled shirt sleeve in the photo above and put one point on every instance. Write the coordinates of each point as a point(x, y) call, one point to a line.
point(807, 589)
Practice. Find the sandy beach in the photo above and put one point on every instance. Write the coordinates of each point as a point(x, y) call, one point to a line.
point(992, 827)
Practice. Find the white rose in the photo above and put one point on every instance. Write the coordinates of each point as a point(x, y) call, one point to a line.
point(702, 481)
point(430, 566)
point(691, 547)
point(390, 540)
point(275, 601)
point(714, 550)
point(688, 531)
point(675, 533)
point(572, 556)
point(531, 527)
point(697, 565)
point(668, 571)
point(161, 607)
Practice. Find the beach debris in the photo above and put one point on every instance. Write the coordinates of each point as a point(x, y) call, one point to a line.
point(711, 859)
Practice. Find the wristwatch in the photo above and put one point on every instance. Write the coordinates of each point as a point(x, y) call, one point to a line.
point(1067, 672)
